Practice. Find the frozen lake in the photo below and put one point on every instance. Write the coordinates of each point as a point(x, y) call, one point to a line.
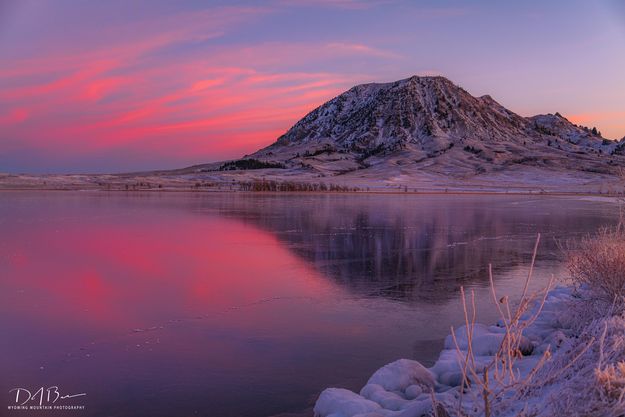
point(209, 304)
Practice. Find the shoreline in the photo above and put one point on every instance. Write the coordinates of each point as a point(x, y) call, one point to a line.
point(407, 388)
point(360, 192)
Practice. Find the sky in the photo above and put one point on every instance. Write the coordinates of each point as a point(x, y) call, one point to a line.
point(118, 86)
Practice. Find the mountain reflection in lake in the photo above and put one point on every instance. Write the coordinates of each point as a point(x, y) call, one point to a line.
point(163, 304)
point(419, 248)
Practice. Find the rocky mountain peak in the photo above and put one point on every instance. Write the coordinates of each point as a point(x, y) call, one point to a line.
point(428, 111)
point(430, 120)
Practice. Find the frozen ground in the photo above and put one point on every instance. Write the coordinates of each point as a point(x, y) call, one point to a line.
point(571, 364)
point(519, 179)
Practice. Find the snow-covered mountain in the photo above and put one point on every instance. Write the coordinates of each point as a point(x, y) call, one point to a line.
point(430, 124)
point(418, 134)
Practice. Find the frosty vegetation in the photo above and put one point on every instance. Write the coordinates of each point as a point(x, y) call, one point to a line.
point(557, 352)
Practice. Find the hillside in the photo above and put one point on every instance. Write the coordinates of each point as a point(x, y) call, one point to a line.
point(432, 125)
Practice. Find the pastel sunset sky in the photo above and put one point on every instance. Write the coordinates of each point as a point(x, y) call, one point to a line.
point(118, 85)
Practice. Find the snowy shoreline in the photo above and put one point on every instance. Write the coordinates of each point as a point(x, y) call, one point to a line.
point(589, 196)
point(405, 388)
point(514, 181)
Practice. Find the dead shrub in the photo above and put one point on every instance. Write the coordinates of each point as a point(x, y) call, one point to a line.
point(611, 381)
point(599, 265)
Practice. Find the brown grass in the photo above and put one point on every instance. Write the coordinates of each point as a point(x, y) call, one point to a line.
point(599, 265)
point(498, 389)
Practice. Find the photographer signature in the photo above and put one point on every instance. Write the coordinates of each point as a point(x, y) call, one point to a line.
point(42, 395)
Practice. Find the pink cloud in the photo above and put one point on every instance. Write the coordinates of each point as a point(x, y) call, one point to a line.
point(340, 4)
point(205, 84)
point(356, 48)
point(97, 89)
point(14, 116)
point(121, 97)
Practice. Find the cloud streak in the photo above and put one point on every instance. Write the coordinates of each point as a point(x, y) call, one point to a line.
point(121, 99)
point(176, 85)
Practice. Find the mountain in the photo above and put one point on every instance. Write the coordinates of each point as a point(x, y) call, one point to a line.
point(430, 125)
point(417, 134)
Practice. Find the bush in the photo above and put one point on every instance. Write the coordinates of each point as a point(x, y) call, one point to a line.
point(599, 264)
point(472, 149)
point(265, 185)
point(249, 164)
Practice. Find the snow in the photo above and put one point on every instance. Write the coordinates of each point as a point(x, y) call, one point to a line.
point(338, 402)
point(402, 385)
point(399, 375)
point(420, 126)
point(386, 398)
point(406, 388)
point(376, 178)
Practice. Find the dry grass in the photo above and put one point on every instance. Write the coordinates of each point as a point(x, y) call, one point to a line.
point(595, 383)
point(583, 377)
point(599, 266)
point(611, 381)
point(499, 380)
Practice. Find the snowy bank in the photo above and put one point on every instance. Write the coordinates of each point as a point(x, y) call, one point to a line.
point(566, 362)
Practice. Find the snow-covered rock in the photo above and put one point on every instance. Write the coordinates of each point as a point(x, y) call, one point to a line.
point(405, 387)
point(387, 399)
point(486, 339)
point(399, 375)
point(337, 402)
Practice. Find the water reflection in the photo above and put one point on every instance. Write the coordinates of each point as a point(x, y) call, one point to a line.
point(420, 248)
point(247, 305)
point(116, 295)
